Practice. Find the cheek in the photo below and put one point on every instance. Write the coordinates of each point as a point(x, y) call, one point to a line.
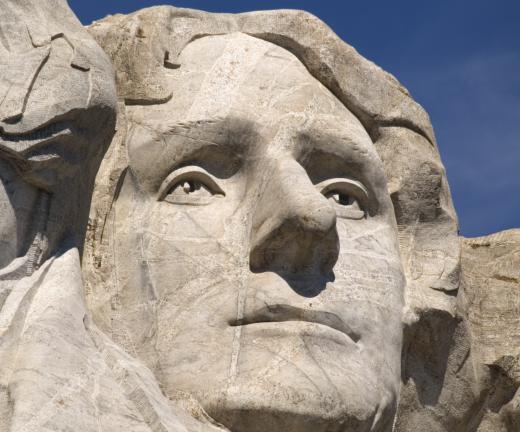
point(190, 246)
point(368, 288)
point(369, 267)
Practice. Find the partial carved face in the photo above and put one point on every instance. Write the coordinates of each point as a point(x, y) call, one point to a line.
point(57, 115)
point(256, 240)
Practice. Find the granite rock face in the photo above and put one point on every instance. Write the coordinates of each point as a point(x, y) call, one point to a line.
point(271, 245)
point(460, 375)
point(491, 284)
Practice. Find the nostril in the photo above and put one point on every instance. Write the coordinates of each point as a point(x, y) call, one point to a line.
point(293, 250)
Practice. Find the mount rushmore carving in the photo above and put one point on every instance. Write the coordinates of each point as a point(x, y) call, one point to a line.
point(218, 222)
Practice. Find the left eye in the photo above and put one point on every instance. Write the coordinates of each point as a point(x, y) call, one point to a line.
point(348, 197)
point(189, 186)
point(341, 198)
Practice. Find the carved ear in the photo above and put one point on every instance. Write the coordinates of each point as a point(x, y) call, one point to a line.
point(426, 219)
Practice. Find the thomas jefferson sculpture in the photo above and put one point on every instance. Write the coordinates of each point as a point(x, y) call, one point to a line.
point(252, 233)
point(246, 226)
point(271, 244)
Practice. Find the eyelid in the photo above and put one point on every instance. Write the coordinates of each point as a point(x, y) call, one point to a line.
point(347, 186)
point(189, 173)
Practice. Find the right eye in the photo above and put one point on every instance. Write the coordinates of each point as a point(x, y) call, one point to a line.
point(190, 186)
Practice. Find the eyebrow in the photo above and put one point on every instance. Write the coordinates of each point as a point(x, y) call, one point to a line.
point(343, 146)
point(226, 130)
point(217, 145)
point(329, 154)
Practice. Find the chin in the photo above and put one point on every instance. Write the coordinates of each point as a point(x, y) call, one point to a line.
point(289, 409)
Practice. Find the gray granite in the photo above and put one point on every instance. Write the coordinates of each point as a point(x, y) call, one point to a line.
point(255, 234)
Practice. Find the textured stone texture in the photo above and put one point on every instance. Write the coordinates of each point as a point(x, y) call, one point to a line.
point(271, 245)
point(491, 269)
point(464, 378)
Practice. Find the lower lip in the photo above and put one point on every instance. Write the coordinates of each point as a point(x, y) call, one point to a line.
point(299, 329)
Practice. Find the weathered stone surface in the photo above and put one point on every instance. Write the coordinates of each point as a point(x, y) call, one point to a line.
point(465, 377)
point(491, 269)
point(271, 245)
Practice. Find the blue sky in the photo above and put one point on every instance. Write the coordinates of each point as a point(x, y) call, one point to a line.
point(460, 59)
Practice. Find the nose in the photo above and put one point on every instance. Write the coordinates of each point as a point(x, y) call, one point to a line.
point(294, 226)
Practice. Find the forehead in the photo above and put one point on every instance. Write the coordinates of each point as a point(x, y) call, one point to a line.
point(237, 75)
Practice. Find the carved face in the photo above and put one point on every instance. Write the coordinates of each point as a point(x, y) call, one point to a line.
point(57, 115)
point(257, 243)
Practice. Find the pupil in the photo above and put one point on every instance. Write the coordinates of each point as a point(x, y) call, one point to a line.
point(343, 199)
point(190, 186)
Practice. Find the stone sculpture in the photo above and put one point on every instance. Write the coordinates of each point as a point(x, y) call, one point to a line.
point(271, 245)
point(243, 195)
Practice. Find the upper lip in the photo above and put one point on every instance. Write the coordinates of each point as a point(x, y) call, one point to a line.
point(284, 312)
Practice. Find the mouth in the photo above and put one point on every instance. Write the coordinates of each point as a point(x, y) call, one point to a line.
point(279, 313)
